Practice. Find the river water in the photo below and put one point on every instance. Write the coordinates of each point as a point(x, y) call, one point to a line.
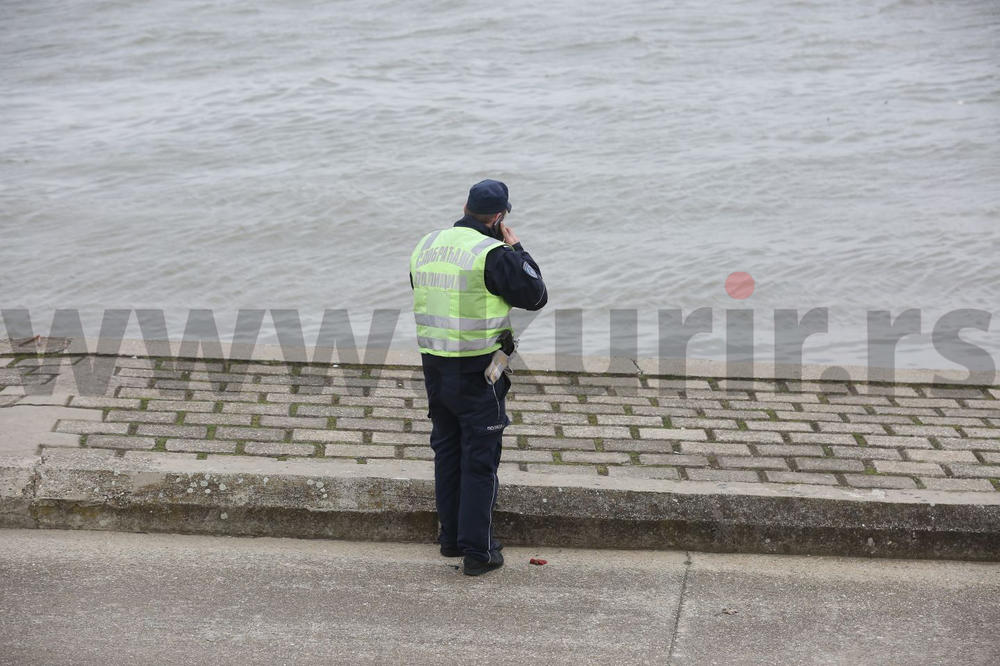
point(225, 155)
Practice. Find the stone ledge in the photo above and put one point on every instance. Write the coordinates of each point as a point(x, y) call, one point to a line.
point(393, 500)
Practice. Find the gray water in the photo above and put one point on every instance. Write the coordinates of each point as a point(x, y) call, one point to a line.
point(190, 154)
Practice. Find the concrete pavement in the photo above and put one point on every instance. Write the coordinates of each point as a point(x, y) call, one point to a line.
point(110, 598)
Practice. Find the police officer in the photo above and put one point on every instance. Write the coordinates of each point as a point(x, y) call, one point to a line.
point(465, 281)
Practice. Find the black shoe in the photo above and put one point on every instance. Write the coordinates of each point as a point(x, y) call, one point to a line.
point(455, 551)
point(474, 567)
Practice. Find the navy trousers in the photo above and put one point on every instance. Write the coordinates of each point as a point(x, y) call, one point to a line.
point(468, 416)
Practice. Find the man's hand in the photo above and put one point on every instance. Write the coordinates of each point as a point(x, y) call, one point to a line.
point(509, 236)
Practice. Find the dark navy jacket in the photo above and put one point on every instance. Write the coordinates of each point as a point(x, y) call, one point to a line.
point(508, 274)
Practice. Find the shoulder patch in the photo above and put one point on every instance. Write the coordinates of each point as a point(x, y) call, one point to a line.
point(529, 270)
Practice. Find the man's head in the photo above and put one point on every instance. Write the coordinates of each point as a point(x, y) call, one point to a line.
point(488, 202)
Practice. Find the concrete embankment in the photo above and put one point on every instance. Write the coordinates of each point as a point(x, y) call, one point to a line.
point(617, 459)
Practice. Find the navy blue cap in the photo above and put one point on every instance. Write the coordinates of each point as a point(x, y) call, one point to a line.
point(488, 196)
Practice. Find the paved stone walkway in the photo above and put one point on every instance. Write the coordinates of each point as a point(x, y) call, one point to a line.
point(819, 433)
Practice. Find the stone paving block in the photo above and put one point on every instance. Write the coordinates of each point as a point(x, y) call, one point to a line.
point(396, 413)
point(371, 401)
point(332, 435)
point(991, 457)
point(563, 390)
point(309, 399)
point(900, 442)
point(801, 477)
point(985, 433)
point(150, 372)
point(255, 408)
point(954, 421)
point(937, 456)
point(532, 430)
point(113, 442)
point(199, 418)
point(278, 449)
point(185, 385)
point(403, 438)
point(201, 445)
point(926, 402)
point(732, 475)
point(181, 431)
point(861, 428)
point(616, 432)
point(293, 421)
point(995, 392)
point(890, 390)
point(392, 425)
point(237, 432)
point(679, 384)
point(125, 362)
point(91, 427)
point(360, 451)
point(180, 406)
point(970, 444)
point(618, 400)
point(673, 434)
point(226, 396)
point(676, 459)
point(816, 387)
point(788, 397)
point(839, 409)
point(745, 414)
point(880, 418)
point(779, 426)
point(688, 404)
point(968, 485)
point(141, 416)
point(715, 449)
point(768, 386)
point(822, 438)
point(596, 458)
point(636, 472)
point(875, 481)
point(426, 453)
point(748, 436)
point(974, 413)
point(614, 419)
point(152, 394)
point(542, 468)
point(865, 453)
point(521, 455)
point(331, 410)
point(807, 416)
point(650, 445)
point(672, 412)
point(102, 403)
point(788, 450)
point(829, 465)
point(906, 411)
point(858, 400)
point(747, 405)
point(559, 443)
point(589, 408)
point(911, 468)
point(718, 395)
point(942, 392)
point(976, 471)
point(552, 418)
point(725, 424)
point(607, 380)
point(925, 431)
point(742, 462)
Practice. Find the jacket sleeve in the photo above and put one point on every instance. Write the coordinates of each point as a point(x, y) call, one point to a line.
point(514, 276)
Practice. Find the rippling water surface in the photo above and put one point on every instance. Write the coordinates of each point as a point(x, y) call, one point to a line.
point(289, 154)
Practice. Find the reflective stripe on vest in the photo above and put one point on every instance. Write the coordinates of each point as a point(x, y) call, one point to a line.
point(455, 314)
